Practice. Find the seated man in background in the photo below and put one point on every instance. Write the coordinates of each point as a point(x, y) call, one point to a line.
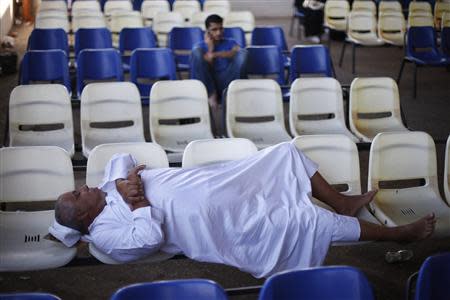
point(217, 60)
point(255, 213)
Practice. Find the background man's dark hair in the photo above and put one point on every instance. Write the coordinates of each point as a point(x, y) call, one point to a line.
point(213, 19)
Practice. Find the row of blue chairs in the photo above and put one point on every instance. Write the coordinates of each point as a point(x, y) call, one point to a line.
point(330, 282)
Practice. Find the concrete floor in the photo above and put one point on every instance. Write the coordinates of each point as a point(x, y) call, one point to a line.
point(430, 111)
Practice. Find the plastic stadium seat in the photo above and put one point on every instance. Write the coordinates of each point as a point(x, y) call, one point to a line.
point(421, 50)
point(56, 21)
point(50, 13)
point(39, 107)
point(114, 6)
point(98, 65)
point(374, 107)
point(419, 6)
point(310, 60)
point(364, 6)
point(150, 65)
point(271, 35)
point(392, 27)
point(88, 21)
point(219, 7)
point(187, 8)
point(102, 116)
point(235, 33)
point(179, 114)
point(338, 160)
point(181, 41)
point(389, 7)
point(440, 8)
point(255, 112)
point(81, 7)
point(445, 20)
point(133, 38)
point(396, 157)
point(47, 172)
point(40, 66)
point(48, 39)
point(447, 171)
point(127, 19)
point(333, 282)
point(243, 19)
point(361, 31)
point(163, 22)
point(266, 61)
point(316, 106)
point(202, 152)
point(199, 289)
point(53, 5)
point(92, 38)
point(420, 19)
point(29, 296)
point(150, 8)
point(433, 278)
point(336, 14)
point(198, 19)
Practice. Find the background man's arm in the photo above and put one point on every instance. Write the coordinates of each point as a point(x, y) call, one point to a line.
point(227, 54)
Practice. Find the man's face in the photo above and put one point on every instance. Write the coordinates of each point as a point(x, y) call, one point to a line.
point(215, 31)
point(86, 199)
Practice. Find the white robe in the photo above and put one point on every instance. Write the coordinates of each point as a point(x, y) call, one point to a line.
point(254, 214)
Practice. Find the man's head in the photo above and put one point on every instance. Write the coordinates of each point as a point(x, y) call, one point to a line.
point(214, 27)
point(77, 209)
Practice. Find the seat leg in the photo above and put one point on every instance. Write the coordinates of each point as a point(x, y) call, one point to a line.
point(400, 72)
point(342, 53)
point(415, 81)
point(353, 57)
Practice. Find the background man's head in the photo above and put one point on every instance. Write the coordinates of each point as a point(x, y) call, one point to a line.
point(214, 27)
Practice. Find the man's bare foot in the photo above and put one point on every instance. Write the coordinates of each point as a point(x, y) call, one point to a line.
point(416, 231)
point(350, 205)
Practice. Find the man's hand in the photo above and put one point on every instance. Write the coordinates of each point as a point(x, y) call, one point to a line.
point(131, 189)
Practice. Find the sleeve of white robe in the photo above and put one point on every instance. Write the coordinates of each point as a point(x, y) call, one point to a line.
point(123, 234)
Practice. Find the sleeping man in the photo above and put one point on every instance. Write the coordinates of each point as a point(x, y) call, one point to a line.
point(255, 214)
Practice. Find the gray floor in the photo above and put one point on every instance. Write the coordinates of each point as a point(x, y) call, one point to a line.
point(429, 112)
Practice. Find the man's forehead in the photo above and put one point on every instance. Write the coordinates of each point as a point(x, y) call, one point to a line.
point(214, 25)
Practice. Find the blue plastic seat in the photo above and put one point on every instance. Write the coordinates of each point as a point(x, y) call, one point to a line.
point(271, 35)
point(182, 39)
point(237, 34)
point(335, 282)
point(28, 296)
point(421, 50)
point(199, 289)
point(49, 66)
point(92, 38)
point(47, 39)
point(98, 65)
point(433, 279)
point(445, 41)
point(310, 60)
point(133, 38)
point(150, 65)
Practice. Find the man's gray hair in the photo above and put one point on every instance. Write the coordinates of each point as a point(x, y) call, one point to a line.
point(66, 214)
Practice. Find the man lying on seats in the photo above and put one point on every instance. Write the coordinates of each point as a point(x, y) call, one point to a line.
point(255, 214)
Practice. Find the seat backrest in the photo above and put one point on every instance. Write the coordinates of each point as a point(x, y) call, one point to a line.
point(266, 61)
point(187, 8)
point(150, 8)
point(420, 19)
point(56, 21)
point(243, 19)
point(163, 22)
point(391, 23)
point(235, 33)
point(92, 38)
point(421, 39)
point(402, 156)
point(150, 65)
point(149, 154)
point(419, 6)
point(219, 7)
point(49, 66)
point(445, 20)
point(112, 6)
point(389, 6)
point(102, 114)
point(315, 99)
point(361, 24)
point(60, 5)
point(88, 21)
point(41, 115)
point(133, 38)
point(447, 171)
point(98, 65)
point(364, 6)
point(35, 173)
point(130, 19)
point(440, 8)
point(198, 19)
point(47, 39)
point(330, 282)
point(336, 14)
point(200, 289)
point(310, 60)
point(269, 35)
point(30, 296)
point(172, 102)
point(79, 6)
point(184, 38)
point(202, 152)
point(433, 278)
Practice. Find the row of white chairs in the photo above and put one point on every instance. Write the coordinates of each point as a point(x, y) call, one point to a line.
point(178, 112)
point(48, 173)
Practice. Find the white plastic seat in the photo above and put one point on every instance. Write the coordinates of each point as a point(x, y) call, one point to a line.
point(198, 19)
point(389, 7)
point(391, 28)
point(187, 8)
point(53, 5)
point(150, 8)
point(84, 7)
point(440, 8)
point(374, 107)
point(179, 114)
point(163, 22)
point(364, 6)
point(445, 20)
point(336, 14)
point(362, 28)
point(316, 106)
point(112, 6)
point(419, 7)
point(50, 13)
point(124, 19)
point(420, 19)
point(41, 105)
point(110, 113)
point(219, 7)
point(242, 19)
point(447, 171)
point(202, 152)
point(398, 156)
point(254, 110)
point(32, 174)
point(88, 21)
point(338, 160)
point(45, 22)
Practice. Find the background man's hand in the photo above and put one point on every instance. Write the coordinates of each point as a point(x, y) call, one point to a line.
point(132, 190)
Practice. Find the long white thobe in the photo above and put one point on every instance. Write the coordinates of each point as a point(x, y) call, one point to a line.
point(254, 214)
